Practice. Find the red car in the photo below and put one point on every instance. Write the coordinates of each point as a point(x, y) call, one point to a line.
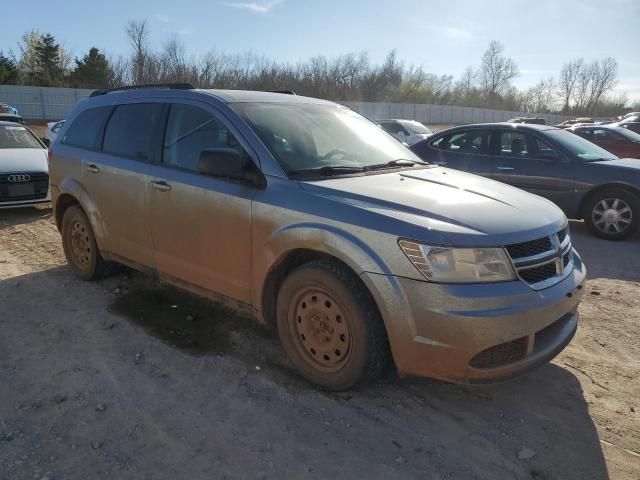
point(620, 141)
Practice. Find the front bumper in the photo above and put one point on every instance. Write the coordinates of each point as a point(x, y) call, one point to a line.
point(476, 333)
point(26, 203)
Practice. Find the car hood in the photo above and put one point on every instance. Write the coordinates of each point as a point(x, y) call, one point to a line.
point(23, 160)
point(446, 205)
point(632, 164)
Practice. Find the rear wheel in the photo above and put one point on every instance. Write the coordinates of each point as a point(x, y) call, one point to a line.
point(80, 246)
point(330, 327)
point(613, 214)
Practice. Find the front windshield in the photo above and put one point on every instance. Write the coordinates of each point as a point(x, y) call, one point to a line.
point(580, 147)
point(305, 137)
point(17, 137)
point(416, 127)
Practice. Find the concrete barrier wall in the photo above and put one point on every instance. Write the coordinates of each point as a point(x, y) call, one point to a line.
point(49, 103)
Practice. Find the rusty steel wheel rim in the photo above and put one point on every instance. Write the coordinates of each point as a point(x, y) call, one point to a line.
point(80, 245)
point(321, 330)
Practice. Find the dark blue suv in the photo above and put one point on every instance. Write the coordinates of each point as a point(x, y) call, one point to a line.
point(584, 180)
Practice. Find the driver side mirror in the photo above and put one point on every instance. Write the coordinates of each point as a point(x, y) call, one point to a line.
point(228, 163)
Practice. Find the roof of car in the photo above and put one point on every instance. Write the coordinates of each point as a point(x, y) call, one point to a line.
point(526, 126)
point(7, 122)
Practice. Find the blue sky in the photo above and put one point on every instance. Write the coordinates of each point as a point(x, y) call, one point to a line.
point(443, 36)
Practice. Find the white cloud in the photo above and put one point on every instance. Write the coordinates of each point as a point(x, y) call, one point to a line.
point(256, 7)
point(456, 33)
point(163, 18)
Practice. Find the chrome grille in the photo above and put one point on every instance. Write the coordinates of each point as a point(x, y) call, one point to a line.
point(544, 261)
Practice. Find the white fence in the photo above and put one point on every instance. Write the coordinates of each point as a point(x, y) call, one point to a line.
point(42, 103)
point(442, 114)
point(49, 103)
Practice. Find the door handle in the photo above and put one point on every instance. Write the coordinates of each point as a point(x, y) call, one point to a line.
point(93, 168)
point(505, 169)
point(160, 185)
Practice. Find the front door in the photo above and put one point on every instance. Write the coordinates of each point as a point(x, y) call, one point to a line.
point(527, 162)
point(201, 226)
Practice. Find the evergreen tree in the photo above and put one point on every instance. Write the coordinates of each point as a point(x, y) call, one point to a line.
point(48, 57)
point(92, 71)
point(8, 71)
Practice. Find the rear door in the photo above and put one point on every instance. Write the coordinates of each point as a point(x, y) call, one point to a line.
point(116, 178)
point(528, 162)
point(466, 150)
point(201, 225)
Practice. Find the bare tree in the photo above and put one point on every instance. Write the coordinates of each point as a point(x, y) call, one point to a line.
point(568, 79)
point(138, 34)
point(496, 71)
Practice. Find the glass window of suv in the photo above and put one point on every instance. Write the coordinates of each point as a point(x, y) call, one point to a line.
point(86, 129)
point(190, 130)
point(132, 129)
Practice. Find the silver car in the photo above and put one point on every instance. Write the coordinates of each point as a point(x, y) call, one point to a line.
point(24, 173)
point(317, 222)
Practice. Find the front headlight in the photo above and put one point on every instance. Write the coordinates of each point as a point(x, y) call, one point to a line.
point(459, 265)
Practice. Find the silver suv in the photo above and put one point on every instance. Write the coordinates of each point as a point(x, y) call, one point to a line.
point(319, 223)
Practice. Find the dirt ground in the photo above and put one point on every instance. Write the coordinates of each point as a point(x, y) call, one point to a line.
point(129, 379)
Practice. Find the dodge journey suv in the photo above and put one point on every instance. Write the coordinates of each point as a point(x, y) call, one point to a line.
point(318, 222)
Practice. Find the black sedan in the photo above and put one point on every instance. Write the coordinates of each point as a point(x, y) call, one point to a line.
point(583, 179)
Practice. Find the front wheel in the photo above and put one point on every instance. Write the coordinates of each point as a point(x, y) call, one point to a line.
point(613, 214)
point(330, 327)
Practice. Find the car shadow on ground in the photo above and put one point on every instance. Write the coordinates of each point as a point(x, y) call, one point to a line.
point(17, 216)
point(536, 426)
point(606, 259)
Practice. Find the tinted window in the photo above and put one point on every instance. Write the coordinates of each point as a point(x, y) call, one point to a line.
point(85, 130)
point(132, 129)
point(190, 130)
point(524, 145)
point(392, 127)
point(466, 141)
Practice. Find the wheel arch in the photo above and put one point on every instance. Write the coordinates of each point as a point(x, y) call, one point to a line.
point(293, 246)
point(71, 192)
point(601, 188)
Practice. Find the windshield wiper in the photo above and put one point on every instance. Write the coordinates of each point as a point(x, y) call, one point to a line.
point(328, 170)
point(399, 162)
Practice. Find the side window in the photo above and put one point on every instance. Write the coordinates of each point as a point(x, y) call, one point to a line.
point(190, 130)
point(468, 141)
point(602, 135)
point(513, 144)
point(86, 129)
point(132, 130)
point(392, 127)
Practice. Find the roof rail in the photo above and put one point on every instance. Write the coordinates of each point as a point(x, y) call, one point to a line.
point(284, 92)
point(170, 86)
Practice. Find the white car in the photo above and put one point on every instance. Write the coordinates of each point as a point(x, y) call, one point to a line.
point(53, 128)
point(24, 169)
point(407, 131)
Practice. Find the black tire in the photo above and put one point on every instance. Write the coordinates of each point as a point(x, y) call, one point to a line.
point(80, 248)
point(340, 319)
point(628, 221)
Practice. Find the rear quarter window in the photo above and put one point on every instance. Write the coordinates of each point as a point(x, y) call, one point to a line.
point(86, 129)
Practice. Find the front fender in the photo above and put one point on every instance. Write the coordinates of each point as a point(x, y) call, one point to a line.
point(332, 240)
point(74, 188)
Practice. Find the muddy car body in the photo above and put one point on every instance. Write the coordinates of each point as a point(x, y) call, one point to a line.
point(341, 253)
